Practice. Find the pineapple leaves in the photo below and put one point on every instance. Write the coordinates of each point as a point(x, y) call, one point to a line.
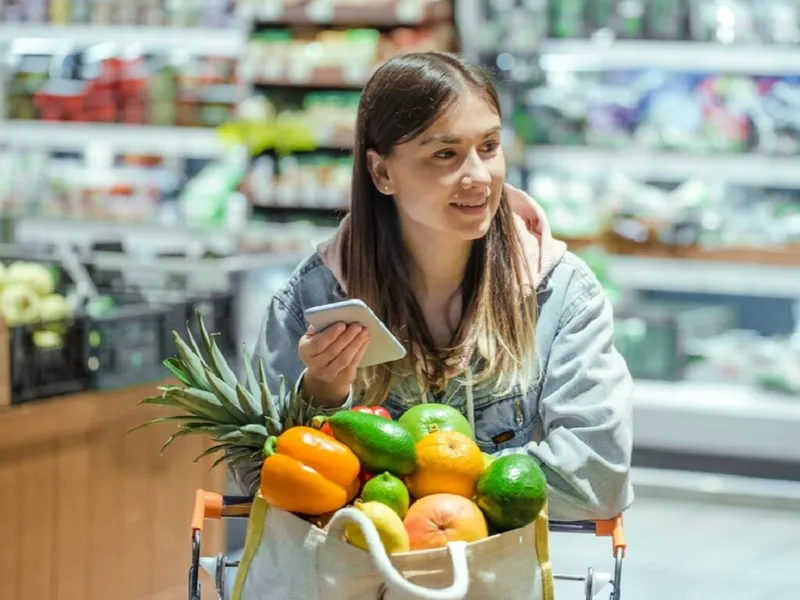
point(249, 405)
point(176, 368)
point(227, 396)
point(253, 439)
point(217, 362)
point(247, 359)
point(259, 431)
point(179, 418)
point(194, 364)
point(209, 451)
point(268, 407)
point(282, 393)
point(202, 403)
point(236, 455)
point(180, 433)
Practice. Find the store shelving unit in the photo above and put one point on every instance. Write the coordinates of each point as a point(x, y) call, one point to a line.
point(187, 142)
point(226, 41)
point(716, 420)
point(671, 418)
point(705, 276)
point(649, 165)
point(604, 53)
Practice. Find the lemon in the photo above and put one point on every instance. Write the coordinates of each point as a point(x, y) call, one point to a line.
point(390, 528)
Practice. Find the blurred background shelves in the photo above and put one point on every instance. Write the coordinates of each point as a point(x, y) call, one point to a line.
point(606, 53)
point(375, 13)
point(716, 420)
point(699, 276)
point(653, 165)
point(192, 142)
point(223, 41)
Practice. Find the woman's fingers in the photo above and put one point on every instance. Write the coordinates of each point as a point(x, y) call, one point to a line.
point(349, 355)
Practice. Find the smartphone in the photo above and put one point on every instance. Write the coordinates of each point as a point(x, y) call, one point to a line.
point(383, 346)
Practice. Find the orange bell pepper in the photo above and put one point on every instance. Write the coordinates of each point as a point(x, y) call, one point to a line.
point(307, 472)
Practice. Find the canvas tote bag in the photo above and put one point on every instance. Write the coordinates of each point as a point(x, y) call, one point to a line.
point(288, 558)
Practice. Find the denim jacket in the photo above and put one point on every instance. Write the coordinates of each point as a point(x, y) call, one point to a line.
point(575, 419)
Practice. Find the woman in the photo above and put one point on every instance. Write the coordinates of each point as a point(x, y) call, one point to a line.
point(499, 319)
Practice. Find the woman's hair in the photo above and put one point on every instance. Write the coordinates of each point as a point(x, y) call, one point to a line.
point(401, 100)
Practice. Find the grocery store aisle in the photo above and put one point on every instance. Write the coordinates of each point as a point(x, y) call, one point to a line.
point(689, 550)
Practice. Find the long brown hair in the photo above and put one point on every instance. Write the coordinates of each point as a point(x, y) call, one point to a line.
point(401, 100)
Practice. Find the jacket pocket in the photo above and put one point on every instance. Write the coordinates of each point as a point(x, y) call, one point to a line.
point(506, 423)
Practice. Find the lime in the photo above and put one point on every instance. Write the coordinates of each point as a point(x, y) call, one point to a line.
point(388, 490)
point(511, 492)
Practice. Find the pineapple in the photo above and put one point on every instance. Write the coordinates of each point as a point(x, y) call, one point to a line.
point(238, 417)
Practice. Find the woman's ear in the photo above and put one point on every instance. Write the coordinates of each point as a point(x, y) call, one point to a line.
point(377, 170)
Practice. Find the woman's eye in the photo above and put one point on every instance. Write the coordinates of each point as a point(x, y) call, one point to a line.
point(490, 146)
point(445, 154)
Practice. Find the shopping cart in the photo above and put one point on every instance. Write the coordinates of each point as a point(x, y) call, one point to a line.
point(209, 505)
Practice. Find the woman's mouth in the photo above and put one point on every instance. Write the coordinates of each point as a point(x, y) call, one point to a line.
point(471, 208)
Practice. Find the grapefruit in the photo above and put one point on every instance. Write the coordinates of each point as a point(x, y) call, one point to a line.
point(448, 462)
point(435, 520)
point(422, 419)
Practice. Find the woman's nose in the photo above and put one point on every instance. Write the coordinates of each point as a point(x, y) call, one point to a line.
point(475, 171)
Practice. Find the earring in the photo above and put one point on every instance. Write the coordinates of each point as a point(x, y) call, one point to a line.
point(386, 189)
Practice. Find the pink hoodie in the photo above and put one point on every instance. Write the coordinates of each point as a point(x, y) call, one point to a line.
point(542, 250)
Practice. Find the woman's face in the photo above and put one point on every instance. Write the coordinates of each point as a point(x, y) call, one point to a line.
point(448, 179)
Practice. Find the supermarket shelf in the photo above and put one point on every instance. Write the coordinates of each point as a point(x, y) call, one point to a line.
point(184, 142)
point(705, 276)
point(716, 419)
point(229, 42)
point(202, 266)
point(373, 13)
point(593, 55)
point(643, 164)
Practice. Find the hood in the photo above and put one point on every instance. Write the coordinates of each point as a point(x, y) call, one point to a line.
point(541, 249)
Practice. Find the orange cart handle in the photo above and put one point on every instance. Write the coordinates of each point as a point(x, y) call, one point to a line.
point(209, 505)
point(614, 529)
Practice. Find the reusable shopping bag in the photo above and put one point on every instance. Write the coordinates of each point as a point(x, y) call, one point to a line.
point(288, 558)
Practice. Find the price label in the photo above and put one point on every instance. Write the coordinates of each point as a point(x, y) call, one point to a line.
point(410, 11)
point(320, 11)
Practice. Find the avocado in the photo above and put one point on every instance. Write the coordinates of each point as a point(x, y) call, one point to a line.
point(381, 445)
point(511, 492)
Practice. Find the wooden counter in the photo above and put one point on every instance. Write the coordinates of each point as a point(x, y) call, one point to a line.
point(87, 513)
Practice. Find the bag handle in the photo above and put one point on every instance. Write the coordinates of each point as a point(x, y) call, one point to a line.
point(458, 554)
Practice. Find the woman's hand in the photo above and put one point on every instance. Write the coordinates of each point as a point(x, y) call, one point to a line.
point(331, 359)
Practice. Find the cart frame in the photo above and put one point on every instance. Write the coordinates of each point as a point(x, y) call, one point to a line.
point(212, 506)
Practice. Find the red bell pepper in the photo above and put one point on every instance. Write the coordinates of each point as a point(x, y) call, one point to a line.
point(374, 410)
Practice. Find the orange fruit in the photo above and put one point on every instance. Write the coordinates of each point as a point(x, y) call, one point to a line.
point(448, 462)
